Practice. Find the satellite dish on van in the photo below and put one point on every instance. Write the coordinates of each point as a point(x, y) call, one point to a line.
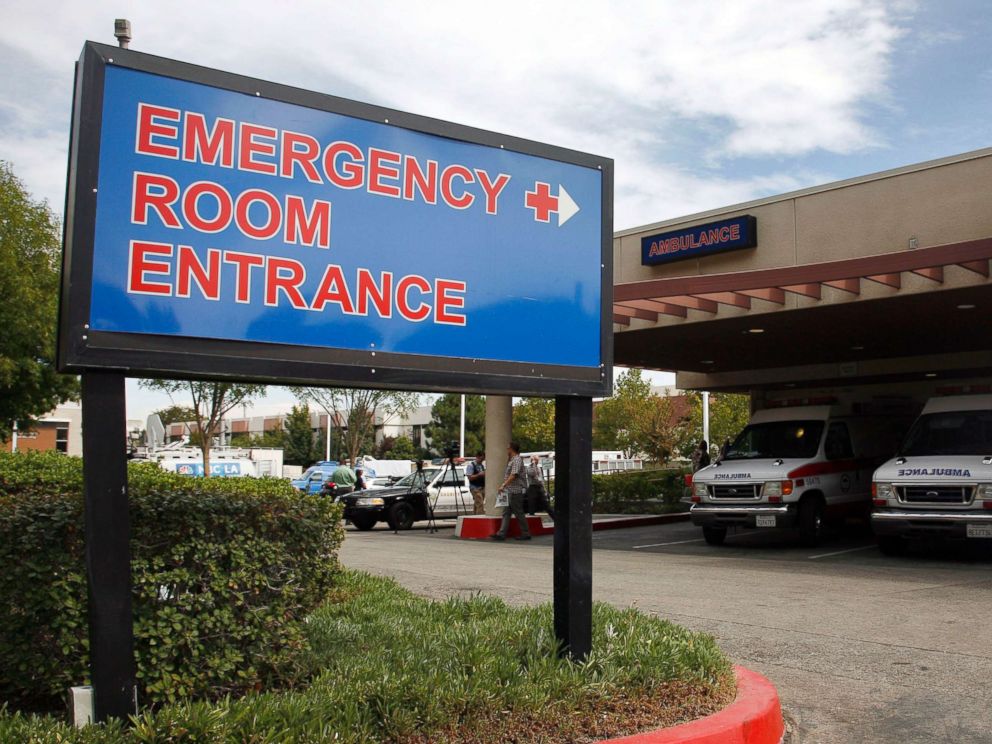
point(154, 431)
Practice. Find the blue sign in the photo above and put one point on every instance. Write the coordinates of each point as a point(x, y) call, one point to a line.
point(224, 215)
point(699, 241)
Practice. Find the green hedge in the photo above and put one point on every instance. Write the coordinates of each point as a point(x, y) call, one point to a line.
point(394, 667)
point(223, 570)
point(638, 492)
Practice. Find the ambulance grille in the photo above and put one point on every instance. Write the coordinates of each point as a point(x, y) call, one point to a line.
point(736, 491)
point(935, 494)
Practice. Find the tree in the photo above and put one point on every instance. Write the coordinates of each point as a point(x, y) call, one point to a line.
point(211, 402)
point(534, 424)
point(175, 415)
point(445, 426)
point(729, 413)
point(357, 409)
point(659, 427)
point(29, 285)
point(300, 443)
point(401, 449)
point(618, 421)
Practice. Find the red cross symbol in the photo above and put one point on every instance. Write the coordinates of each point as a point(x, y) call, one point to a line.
point(541, 201)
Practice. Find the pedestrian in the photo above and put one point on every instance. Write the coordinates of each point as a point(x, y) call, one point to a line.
point(344, 478)
point(700, 456)
point(359, 479)
point(476, 473)
point(514, 485)
point(725, 449)
point(537, 494)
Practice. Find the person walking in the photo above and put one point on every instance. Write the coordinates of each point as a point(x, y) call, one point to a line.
point(344, 478)
point(514, 484)
point(476, 473)
point(537, 494)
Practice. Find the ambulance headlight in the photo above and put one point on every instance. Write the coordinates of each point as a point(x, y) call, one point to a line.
point(699, 489)
point(778, 489)
point(984, 491)
point(882, 491)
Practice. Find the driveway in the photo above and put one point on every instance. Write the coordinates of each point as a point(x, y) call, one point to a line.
point(862, 647)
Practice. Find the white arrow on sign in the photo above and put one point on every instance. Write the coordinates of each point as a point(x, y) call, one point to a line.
point(567, 208)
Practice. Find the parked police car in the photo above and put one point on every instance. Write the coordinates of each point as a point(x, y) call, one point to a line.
point(940, 482)
point(411, 499)
point(792, 467)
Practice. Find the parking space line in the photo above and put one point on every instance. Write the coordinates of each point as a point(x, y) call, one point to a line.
point(841, 552)
point(677, 542)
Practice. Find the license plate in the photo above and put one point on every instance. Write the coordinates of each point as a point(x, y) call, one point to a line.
point(977, 530)
point(769, 521)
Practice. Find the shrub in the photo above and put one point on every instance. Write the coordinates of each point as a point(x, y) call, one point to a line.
point(223, 572)
point(394, 667)
point(637, 492)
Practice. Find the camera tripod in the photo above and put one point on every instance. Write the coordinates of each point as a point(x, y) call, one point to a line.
point(443, 481)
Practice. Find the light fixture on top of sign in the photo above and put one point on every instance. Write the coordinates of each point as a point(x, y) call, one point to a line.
point(966, 307)
point(756, 330)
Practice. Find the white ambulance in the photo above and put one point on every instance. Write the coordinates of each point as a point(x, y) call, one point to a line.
point(793, 466)
point(940, 482)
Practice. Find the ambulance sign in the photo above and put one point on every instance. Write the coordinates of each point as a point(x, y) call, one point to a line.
point(303, 237)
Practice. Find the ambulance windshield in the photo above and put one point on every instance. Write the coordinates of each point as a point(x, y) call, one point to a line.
point(777, 439)
point(950, 433)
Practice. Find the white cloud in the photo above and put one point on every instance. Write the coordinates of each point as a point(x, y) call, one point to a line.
point(759, 77)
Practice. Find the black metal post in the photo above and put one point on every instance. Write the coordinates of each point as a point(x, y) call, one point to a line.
point(573, 525)
point(108, 557)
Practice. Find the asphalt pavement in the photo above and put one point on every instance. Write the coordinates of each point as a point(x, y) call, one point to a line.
point(862, 647)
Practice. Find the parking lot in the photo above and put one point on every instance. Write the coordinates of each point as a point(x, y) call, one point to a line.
point(862, 647)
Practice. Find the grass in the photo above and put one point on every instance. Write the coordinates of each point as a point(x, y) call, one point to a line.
point(388, 666)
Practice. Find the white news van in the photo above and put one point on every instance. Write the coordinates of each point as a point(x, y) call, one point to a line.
point(940, 482)
point(792, 467)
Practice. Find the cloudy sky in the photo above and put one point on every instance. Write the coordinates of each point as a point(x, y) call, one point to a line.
point(700, 104)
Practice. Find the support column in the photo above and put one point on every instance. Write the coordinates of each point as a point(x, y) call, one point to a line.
point(108, 555)
point(499, 425)
point(573, 525)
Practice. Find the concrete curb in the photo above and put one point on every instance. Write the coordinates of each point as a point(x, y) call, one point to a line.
point(755, 717)
point(480, 527)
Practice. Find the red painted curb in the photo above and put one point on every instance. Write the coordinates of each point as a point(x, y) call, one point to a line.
point(480, 527)
point(755, 717)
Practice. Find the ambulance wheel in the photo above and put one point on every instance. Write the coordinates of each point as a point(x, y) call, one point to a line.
point(401, 516)
point(714, 535)
point(810, 521)
point(364, 522)
point(892, 544)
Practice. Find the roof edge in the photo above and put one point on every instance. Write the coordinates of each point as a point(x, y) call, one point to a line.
point(831, 186)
